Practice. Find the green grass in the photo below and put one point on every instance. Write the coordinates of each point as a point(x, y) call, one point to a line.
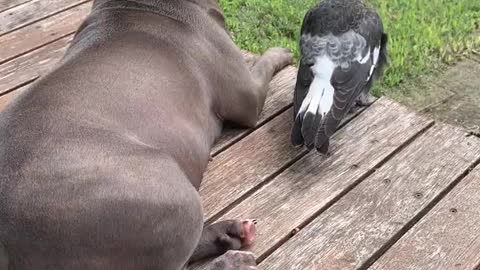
point(424, 34)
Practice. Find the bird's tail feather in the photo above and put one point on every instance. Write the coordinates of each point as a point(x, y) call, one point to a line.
point(309, 119)
point(310, 124)
point(296, 136)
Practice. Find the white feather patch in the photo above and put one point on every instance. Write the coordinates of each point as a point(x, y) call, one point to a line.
point(320, 94)
point(364, 59)
point(376, 54)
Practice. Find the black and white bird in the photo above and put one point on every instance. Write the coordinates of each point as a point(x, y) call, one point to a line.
point(344, 49)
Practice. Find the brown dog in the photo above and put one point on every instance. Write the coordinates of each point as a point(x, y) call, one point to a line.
point(101, 160)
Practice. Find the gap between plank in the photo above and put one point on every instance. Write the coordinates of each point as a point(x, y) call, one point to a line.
point(254, 189)
point(18, 86)
point(45, 17)
point(272, 176)
point(345, 191)
point(381, 251)
point(36, 48)
point(14, 6)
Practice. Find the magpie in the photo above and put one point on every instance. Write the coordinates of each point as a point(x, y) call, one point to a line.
point(343, 51)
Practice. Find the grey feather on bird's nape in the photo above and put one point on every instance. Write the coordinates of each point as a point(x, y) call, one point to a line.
point(341, 49)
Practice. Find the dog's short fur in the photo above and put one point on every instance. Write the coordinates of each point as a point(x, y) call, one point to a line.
point(101, 159)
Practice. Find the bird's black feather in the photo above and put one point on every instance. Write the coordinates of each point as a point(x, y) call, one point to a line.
point(304, 79)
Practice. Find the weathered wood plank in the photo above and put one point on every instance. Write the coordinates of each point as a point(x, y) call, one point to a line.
point(6, 99)
point(34, 11)
point(315, 181)
point(448, 237)
point(43, 32)
point(248, 163)
point(279, 98)
point(29, 67)
point(8, 4)
point(355, 230)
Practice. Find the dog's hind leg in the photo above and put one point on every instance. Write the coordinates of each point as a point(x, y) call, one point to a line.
point(243, 101)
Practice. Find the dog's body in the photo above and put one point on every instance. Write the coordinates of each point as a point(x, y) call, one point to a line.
point(102, 158)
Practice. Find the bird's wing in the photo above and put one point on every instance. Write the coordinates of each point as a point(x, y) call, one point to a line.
point(348, 86)
point(350, 82)
point(304, 80)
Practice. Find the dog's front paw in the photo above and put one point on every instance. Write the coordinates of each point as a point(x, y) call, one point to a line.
point(223, 236)
point(233, 234)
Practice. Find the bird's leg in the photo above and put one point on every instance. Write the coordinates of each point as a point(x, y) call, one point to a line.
point(365, 99)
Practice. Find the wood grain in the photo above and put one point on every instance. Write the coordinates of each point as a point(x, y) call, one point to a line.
point(313, 182)
point(248, 163)
point(42, 32)
point(382, 207)
point(29, 67)
point(448, 237)
point(8, 4)
point(34, 11)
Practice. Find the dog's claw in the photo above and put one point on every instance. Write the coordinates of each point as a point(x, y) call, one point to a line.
point(254, 221)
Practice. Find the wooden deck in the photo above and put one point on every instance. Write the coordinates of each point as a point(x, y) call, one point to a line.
point(398, 191)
